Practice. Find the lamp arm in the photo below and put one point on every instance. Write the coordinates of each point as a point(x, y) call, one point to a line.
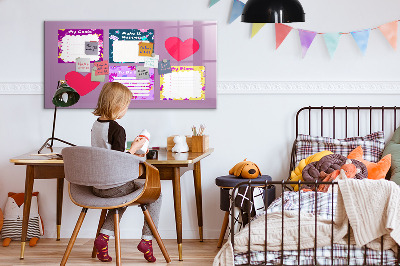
point(46, 143)
point(54, 127)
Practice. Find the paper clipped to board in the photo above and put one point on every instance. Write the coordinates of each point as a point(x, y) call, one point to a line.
point(101, 67)
point(152, 62)
point(91, 48)
point(82, 64)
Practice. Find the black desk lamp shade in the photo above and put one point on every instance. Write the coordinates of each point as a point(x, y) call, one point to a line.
point(273, 11)
point(65, 96)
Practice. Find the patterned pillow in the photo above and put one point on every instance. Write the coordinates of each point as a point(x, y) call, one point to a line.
point(372, 145)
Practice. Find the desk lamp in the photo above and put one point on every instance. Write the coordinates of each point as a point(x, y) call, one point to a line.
point(272, 11)
point(65, 96)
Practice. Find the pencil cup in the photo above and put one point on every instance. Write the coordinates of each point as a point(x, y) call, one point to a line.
point(200, 143)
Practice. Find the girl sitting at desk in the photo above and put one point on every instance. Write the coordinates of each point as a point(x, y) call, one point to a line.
point(112, 104)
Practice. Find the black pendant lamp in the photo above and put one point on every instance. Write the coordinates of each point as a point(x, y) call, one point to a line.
point(273, 11)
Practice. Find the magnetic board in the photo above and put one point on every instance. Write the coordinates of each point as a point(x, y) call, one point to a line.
point(166, 64)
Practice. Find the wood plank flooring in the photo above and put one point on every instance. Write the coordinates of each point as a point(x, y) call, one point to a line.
point(50, 252)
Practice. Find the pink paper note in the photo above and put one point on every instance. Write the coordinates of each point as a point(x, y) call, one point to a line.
point(102, 67)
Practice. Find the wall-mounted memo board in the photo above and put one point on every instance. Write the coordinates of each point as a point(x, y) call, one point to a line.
point(89, 53)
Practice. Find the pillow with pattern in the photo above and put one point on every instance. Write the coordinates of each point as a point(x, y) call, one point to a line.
point(372, 145)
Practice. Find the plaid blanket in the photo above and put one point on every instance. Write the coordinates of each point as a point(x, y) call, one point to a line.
point(322, 204)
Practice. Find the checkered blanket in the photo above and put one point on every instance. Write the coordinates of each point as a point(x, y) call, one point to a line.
point(324, 206)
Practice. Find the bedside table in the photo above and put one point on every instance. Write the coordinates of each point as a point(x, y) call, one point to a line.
point(228, 182)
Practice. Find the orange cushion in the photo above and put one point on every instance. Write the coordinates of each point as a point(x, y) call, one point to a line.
point(375, 170)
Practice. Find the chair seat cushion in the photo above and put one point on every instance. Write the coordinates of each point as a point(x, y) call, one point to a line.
point(83, 195)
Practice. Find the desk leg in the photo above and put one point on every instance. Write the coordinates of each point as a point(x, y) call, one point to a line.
point(176, 182)
point(27, 206)
point(199, 204)
point(60, 190)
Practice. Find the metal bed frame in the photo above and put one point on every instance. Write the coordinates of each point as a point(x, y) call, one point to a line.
point(284, 184)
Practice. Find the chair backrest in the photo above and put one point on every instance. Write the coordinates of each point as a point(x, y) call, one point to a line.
point(92, 166)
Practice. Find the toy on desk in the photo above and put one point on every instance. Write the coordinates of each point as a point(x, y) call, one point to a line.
point(144, 134)
point(13, 215)
point(180, 144)
point(245, 169)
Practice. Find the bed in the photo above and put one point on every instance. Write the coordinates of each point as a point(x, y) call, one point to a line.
point(306, 227)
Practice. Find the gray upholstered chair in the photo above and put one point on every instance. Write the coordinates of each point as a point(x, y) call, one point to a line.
point(85, 167)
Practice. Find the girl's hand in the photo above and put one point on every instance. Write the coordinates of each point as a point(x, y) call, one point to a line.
point(142, 155)
point(137, 144)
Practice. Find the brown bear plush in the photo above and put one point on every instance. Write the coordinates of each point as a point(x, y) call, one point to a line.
point(245, 169)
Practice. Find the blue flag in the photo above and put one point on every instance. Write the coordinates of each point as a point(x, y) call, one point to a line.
point(361, 38)
point(237, 9)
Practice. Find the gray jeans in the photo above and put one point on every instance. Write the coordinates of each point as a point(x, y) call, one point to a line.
point(154, 208)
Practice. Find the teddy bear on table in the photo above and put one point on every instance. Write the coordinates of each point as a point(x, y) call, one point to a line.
point(13, 215)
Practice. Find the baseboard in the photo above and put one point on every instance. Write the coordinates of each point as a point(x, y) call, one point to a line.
point(260, 87)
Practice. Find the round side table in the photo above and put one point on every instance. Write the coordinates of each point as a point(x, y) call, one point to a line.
point(228, 182)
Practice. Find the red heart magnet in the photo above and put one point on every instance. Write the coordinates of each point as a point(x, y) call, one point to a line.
point(82, 84)
point(181, 50)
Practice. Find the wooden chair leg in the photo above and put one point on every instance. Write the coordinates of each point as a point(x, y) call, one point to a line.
point(223, 229)
point(117, 238)
point(101, 222)
point(154, 230)
point(73, 237)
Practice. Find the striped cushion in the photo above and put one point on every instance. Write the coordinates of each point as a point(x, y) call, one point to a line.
point(372, 145)
point(13, 228)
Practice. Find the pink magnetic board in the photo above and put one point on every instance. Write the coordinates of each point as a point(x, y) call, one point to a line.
point(186, 80)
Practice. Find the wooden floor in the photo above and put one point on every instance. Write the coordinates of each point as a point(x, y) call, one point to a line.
point(50, 252)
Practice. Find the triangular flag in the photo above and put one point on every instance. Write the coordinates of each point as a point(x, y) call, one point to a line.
point(237, 9)
point(213, 2)
point(306, 39)
point(281, 31)
point(255, 28)
point(361, 37)
point(390, 32)
point(332, 41)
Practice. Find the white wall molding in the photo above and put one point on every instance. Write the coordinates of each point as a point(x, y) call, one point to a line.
point(309, 87)
point(21, 88)
point(260, 87)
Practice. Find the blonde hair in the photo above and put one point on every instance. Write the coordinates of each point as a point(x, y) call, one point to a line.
point(113, 97)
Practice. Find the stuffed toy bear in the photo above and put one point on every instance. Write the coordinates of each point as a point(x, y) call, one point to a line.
point(180, 144)
point(13, 215)
point(245, 169)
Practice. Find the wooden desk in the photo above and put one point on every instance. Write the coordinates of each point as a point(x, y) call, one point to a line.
point(170, 165)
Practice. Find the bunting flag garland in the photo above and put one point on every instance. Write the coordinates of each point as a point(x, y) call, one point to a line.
point(306, 39)
point(213, 2)
point(361, 37)
point(237, 9)
point(332, 41)
point(256, 27)
point(281, 31)
point(389, 30)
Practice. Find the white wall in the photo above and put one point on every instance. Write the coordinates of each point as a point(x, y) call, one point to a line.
point(257, 127)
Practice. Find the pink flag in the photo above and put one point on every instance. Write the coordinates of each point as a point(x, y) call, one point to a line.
point(281, 31)
point(306, 39)
point(389, 30)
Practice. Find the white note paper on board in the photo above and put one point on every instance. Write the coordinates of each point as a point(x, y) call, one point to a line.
point(127, 52)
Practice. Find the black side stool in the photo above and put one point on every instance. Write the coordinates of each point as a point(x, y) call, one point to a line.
point(228, 182)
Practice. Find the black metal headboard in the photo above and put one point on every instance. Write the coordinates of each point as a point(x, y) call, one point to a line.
point(331, 120)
